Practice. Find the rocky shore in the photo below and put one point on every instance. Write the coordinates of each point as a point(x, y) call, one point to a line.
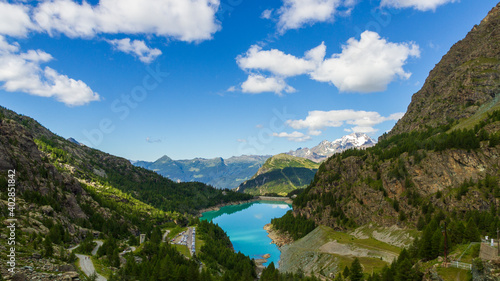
point(277, 238)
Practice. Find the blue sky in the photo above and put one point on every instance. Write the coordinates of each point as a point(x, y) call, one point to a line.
point(210, 78)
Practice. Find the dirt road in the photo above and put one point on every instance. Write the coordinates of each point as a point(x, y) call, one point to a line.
point(86, 263)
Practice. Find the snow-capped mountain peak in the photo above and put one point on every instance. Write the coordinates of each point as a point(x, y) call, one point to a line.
point(326, 148)
point(355, 139)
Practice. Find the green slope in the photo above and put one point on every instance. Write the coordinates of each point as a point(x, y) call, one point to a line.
point(281, 161)
point(480, 115)
point(66, 192)
point(74, 180)
point(280, 174)
point(328, 251)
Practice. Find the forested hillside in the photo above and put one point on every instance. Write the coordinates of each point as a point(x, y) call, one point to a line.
point(66, 192)
point(281, 174)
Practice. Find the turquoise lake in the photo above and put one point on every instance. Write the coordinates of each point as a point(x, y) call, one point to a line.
point(244, 225)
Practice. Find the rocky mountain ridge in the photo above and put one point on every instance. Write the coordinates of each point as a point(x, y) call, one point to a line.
point(326, 148)
point(465, 79)
point(425, 160)
point(217, 172)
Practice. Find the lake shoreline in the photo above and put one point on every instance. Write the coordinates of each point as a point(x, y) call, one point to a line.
point(244, 224)
point(255, 199)
point(277, 238)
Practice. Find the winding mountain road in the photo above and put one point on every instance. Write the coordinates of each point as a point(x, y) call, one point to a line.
point(86, 263)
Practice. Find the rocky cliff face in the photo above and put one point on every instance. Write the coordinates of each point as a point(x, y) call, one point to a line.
point(467, 77)
point(378, 185)
point(366, 195)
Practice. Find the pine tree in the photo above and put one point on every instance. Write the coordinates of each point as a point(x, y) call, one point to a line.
point(420, 223)
point(472, 231)
point(346, 272)
point(47, 244)
point(356, 273)
point(156, 236)
point(425, 249)
point(437, 238)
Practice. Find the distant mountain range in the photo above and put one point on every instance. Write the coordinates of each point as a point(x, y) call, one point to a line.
point(286, 172)
point(218, 172)
point(326, 148)
point(230, 173)
point(74, 141)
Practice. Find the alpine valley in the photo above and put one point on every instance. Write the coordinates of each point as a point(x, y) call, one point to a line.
point(415, 205)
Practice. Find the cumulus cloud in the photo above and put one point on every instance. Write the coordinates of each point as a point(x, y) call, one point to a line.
point(362, 121)
point(266, 14)
point(365, 65)
point(274, 61)
point(421, 5)
point(22, 72)
point(185, 20)
point(295, 136)
point(15, 20)
point(296, 13)
point(258, 84)
point(136, 48)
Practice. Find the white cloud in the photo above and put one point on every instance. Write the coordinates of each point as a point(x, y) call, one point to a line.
point(274, 61)
point(367, 65)
point(315, 132)
point(151, 140)
point(296, 13)
point(231, 89)
point(422, 5)
point(316, 54)
point(137, 48)
point(266, 14)
point(258, 84)
point(15, 19)
point(362, 121)
point(185, 20)
point(22, 72)
point(363, 129)
point(295, 136)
